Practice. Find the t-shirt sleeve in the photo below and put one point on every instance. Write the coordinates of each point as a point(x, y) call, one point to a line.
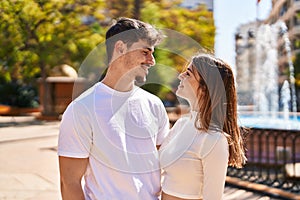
point(214, 163)
point(164, 125)
point(75, 132)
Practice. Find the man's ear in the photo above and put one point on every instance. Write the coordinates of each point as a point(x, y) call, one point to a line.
point(119, 50)
point(120, 47)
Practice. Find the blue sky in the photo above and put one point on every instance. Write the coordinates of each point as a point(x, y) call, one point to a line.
point(230, 14)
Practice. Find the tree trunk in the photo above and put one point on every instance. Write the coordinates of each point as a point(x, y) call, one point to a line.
point(45, 93)
point(137, 9)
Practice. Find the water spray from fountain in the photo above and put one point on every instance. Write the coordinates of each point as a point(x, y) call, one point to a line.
point(258, 76)
point(286, 40)
point(285, 95)
point(266, 73)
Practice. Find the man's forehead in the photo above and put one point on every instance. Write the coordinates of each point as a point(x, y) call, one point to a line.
point(141, 44)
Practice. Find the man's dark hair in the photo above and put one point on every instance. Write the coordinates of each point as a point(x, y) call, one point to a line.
point(130, 31)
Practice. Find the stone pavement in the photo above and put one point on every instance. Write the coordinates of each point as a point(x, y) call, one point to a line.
point(29, 164)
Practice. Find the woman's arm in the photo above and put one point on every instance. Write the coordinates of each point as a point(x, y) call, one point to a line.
point(215, 169)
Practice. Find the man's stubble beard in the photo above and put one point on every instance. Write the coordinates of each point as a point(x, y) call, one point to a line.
point(139, 80)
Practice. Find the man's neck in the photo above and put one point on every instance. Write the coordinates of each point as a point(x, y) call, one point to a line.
point(118, 83)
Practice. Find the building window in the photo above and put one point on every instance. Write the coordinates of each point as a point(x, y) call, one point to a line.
point(283, 9)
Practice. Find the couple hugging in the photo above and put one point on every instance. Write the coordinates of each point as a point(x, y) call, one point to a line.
point(115, 142)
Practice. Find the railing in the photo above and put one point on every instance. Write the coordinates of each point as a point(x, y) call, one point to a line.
point(273, 159)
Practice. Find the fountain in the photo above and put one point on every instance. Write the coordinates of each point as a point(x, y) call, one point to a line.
point(267, 105)
point(291, 66)
point(267, 97)
point(285, 99)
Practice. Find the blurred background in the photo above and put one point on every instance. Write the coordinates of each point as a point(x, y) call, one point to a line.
point(53, 50)
point(45, 43)
point(42, 39)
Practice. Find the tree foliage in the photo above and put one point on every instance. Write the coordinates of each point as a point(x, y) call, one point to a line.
point(192, 31)
point(37, 35)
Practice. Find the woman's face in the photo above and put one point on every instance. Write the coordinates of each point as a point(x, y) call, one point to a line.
point(189, 84)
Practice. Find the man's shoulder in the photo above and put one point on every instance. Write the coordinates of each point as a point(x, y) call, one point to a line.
point(84, 99)
point(86, 95)
point(142, 93)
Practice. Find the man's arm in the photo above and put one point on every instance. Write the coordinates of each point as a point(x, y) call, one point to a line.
point(71, 172)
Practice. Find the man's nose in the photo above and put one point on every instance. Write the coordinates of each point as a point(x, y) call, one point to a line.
point(150, 60)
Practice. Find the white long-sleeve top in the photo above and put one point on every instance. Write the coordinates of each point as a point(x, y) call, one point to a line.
point(194, 163)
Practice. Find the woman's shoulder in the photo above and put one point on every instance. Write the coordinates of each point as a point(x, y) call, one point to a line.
point(184, 118)
point(182, 126)
point(209, 140)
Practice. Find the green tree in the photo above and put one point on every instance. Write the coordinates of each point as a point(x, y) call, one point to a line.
point(37, 35)
point(117, 8)
point(195, 32)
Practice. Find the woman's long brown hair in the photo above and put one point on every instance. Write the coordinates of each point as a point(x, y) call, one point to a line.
point(217, 101)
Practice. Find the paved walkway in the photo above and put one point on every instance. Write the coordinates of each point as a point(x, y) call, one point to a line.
point(29, 165)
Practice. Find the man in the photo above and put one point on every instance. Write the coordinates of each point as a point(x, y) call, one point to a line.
point(109, 134)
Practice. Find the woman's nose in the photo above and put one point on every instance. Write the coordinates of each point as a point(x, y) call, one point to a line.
point(181, 76)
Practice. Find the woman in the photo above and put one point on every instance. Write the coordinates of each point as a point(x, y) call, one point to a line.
point(195, 156)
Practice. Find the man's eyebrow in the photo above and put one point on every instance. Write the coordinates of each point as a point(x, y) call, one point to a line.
point(148, 48)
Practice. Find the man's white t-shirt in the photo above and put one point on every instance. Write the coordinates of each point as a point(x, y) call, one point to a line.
point(118, 132)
